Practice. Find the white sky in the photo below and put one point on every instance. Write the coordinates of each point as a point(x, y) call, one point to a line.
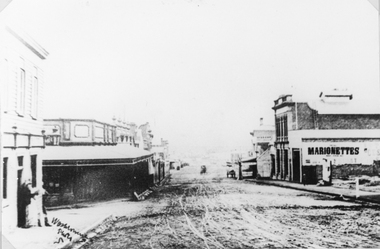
point(201, 72)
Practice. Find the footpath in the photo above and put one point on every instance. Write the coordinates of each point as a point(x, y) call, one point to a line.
point(69, 223)
point(81, 220)
point(72, 223)
point(341, 193)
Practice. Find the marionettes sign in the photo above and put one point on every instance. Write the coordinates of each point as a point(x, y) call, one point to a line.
point(333, 151)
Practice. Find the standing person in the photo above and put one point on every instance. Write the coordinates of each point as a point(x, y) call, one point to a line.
point(25, 193)
point(240, 173)
point(43, 218)
point(304, 179)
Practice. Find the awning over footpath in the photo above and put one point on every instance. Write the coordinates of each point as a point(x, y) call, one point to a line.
point(249, 160)
point(93, 155)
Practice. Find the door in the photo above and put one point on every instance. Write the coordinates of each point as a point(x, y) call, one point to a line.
point(296, 165)
point(254, 170)
point(21, 215)
point(310, 174)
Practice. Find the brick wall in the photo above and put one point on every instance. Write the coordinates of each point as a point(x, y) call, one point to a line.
point(305, 117)
point(349, 121)
point(344, 171)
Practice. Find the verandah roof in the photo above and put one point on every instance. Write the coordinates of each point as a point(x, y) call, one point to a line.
point(249, 160)
point(93, 155)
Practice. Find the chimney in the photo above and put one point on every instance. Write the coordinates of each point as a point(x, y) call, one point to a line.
point(261, 121)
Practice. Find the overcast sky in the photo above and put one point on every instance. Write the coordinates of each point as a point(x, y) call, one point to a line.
point(200, 72)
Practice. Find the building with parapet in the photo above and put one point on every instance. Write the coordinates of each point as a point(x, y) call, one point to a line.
point(147, 136)
point(333, 136)
point(89, 160)
point(123, 132)
point(263, 138)
point(69, 132)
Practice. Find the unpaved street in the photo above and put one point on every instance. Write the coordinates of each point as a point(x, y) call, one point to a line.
point(211, 211)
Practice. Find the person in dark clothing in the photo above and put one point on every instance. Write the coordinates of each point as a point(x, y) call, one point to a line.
point(25, 194)
point(240, 172)
point(304, 180)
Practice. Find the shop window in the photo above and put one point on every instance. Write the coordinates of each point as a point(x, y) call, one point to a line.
point(54, 186)
point(5, 177)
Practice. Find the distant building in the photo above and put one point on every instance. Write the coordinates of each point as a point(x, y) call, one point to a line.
point(161, 150)
point(21, 124)
point(147, 136)
point(263, 138)
point(333, 136)
point(124, 134)
point(161, 155)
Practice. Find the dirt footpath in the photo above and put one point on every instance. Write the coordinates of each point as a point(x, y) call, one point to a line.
point(210, 211)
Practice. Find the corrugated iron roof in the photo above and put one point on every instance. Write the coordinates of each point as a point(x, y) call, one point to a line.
point(349, 107)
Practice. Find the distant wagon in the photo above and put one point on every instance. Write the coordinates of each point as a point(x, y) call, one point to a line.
point(231, 173)
point(203, 169)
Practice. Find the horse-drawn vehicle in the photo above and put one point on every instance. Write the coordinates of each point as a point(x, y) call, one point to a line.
point(231, 173)
point(203, 169)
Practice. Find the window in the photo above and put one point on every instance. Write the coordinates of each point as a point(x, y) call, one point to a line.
point(34, 100)
point(20, 160)
point(5, 177)
point(33, 166)
point(21, 93)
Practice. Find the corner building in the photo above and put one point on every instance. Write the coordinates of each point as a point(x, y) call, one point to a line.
point(22, 132)
point(334, 136)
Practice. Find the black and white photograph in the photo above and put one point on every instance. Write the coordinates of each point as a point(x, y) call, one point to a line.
point(199, 124)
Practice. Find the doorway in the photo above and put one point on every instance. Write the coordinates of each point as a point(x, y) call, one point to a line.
point(296, 165)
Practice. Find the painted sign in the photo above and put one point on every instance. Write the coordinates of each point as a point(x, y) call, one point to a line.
point(333, 151)
point(341, 152)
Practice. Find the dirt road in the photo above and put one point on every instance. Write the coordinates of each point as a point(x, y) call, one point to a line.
point(211, 211)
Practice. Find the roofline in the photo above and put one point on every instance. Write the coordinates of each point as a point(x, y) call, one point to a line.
point(29, 42)
point(283, 104)
point(78, 119)
point(93, 162)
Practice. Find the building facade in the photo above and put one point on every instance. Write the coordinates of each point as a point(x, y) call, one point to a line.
point(333, 136)
point(89, 160)
point(124, 133)
point(161, 155)
point(68, 132)
point(21, 125)
point(262, 137)
point(147, 136)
